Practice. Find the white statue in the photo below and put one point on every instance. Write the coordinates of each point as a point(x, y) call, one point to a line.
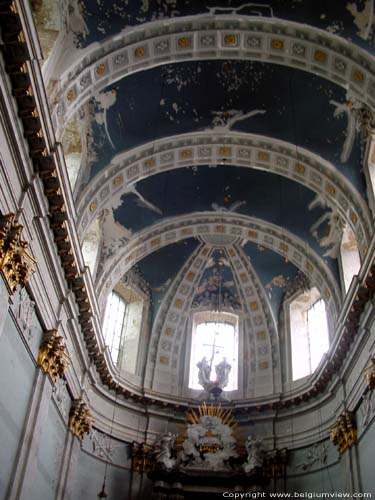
point(204, 372)
point(255, 454)
point(163, 451)
point(222, 373)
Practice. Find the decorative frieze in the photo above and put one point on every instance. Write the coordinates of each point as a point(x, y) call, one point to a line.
point(343, 434)
point(53, 358)
point(16, 264)
point(80, 419)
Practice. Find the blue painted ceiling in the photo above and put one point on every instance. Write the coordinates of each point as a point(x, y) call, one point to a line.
point(105, 18)
point(295, 106)
point(172, 99)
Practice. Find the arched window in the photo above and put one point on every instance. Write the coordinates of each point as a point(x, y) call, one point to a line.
point(122, 328)
point(214, 337)
point(309, 335)
point(350, 261)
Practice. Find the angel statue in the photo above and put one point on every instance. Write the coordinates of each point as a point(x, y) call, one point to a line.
point(255, 455)
point(204, 372)
point(222, 373)
point(163, 448)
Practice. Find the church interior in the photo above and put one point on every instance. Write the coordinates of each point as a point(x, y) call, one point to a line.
point(187, 249)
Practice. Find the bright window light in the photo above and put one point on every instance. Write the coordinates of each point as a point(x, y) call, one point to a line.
point(214, 340)
point(309, 333)
point(318, 333)
point(113, 324)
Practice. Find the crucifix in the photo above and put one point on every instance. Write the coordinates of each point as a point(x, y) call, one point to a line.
point(214, 346)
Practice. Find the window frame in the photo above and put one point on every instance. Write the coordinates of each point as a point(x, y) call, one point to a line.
point(143, 335)
point(288, 381)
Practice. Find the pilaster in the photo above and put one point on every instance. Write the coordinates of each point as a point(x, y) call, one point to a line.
point(19, 488)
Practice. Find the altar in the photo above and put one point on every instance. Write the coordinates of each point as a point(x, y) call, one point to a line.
point(206, 459)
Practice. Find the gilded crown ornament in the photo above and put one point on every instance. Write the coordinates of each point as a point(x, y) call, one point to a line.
point(16, 264)
point(343, 434)
point(370, 374)
point(80, 419)
point(53, 358)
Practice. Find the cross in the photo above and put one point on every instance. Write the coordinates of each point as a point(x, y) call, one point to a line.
point(213, 349)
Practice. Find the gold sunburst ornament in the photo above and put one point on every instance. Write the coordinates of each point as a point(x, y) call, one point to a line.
point(226, 416)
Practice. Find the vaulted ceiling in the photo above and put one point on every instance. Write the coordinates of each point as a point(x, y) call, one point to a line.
point(226, 126)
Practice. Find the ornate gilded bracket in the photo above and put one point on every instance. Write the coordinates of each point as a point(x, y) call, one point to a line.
point(80, 419)
point(344, 432)
point(16, 264)
point(275, 462)
point(370, 374)
point(53, 357)
point(142, 457)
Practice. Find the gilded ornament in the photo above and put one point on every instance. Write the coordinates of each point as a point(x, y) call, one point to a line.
point(184, 42)
point(93, 206)
point(100, 69)
point(230, 39)
point(358, 76)
point(71, 95)
point(331, 189)
point(142, 457)
point(80, 419)
point(299, 168)
point(186, 153)
point(224, 151)
point(150, 163)
point(178, 303)
point(309, 266)
point(370, 374)
point(263, 155)
point(319, 56)
point(164, 360)
point(117, 180)
point(343, 434)
point(277, 44)
point(53, 358)
point(16, 264)
point(139, 52)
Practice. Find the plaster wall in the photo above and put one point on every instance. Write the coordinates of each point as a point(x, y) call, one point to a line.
point(17, 374)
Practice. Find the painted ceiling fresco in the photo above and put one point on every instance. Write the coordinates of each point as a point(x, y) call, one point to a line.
point(220, 189)
point(249, 97)
point(352, 19)
point(217, 288)
point(274, 271)
point(129, 110)
point(160, 268)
